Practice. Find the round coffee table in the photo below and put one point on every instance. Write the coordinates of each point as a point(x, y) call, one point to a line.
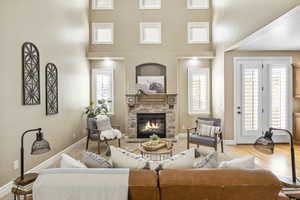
point(157, 155)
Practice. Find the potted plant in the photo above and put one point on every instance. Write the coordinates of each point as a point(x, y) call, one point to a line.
point(92, 111)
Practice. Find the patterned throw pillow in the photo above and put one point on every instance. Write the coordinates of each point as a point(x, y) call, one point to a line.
point(210, 161)
point(207, 130)
point(92, 160)
point(124, 159)
point(204, 122)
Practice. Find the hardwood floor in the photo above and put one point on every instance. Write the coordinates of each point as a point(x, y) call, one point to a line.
point(279, 162)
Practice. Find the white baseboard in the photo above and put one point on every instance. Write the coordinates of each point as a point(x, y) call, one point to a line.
point(229, 142)
point(6, 189)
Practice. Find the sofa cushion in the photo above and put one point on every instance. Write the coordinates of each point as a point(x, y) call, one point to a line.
point(143, 185)
point(218, 184)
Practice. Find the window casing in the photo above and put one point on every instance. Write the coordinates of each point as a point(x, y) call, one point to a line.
point(150, 4)
point(150, 33)
point(197, 4)
point(198, 91)
point(103, 33)
point(198, 32)
point(103, 4)
point(103, 87)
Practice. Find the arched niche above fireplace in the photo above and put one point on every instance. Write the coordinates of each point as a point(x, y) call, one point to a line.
point(152, 71)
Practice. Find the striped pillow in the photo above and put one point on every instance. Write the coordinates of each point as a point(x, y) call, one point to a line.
point(207, 130)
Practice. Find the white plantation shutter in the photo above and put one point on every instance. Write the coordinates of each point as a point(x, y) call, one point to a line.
point(251, 98)
point(198, 82)
point(150, 4)
point(103, 4)
point(198, 32)
point(279, 94)
point(198, 4)
point(104, 87)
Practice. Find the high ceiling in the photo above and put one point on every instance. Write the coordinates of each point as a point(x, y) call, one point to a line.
point(280, 35)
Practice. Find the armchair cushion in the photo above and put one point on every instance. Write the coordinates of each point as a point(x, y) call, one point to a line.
point(103, 123)
point(195, 138)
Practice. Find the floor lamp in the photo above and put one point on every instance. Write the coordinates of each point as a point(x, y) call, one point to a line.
point(265, 144)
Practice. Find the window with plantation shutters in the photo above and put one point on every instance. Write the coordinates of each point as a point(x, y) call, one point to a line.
point(279, 107)
point(198, 4)
point(104, 87)
point(150, 4)
point(103, 4)
point(198, 83)
point(251, 98)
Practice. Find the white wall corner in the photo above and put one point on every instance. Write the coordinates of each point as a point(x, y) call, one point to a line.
point(6, 189)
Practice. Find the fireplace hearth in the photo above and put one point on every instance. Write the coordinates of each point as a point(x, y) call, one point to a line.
point(151, 123)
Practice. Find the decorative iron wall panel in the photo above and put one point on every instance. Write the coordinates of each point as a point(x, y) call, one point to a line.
point(51, 89)
point(31, 74)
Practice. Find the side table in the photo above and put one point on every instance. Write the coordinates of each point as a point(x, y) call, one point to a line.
point(21, 194)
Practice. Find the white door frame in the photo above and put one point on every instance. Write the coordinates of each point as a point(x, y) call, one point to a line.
point(236, 94)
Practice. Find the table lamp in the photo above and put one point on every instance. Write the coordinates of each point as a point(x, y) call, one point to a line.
point(39, 146)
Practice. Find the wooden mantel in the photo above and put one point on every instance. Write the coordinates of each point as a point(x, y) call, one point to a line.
point(162, 98)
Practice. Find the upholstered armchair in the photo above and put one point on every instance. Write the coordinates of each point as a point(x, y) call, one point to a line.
point(207, 132)
point(103, 133)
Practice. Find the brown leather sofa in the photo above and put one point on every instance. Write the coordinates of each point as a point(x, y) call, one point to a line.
point(204, 185)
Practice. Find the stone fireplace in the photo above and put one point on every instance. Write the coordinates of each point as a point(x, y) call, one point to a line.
point(151, 123)
point(145, 108)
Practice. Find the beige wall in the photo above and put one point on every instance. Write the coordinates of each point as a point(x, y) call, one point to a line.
point(233, 21)
point(229, 84)
point(60, 30)
point(174, 17)
point(243, 17)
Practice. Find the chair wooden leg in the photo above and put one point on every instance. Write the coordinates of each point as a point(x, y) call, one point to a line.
point(216, 147)
point(222, 142)
point(188, 140)
point(119, 142)
point(87, 143)
point(99, 147)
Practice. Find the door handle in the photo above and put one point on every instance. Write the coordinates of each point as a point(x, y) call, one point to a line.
point(239, 112)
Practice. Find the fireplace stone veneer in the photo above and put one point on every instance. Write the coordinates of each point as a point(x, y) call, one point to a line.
point(152, 108)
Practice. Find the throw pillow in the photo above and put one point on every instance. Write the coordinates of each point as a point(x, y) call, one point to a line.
point(124, 159)
point(205, 122)
point(209, 161)
point(183, 160)
point(247, 162)
point(69, 162)
point(103, 123)
point(207, 130)
point(92, 160)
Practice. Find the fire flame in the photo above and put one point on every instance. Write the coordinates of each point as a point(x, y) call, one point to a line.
point(151, 125)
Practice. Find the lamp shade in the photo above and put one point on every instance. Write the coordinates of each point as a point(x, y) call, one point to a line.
point(265, 143)
point(40, 145)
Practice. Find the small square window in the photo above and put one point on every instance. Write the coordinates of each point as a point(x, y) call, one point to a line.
point(103, 4)
point(198, 32)
point(103, 33)
point(150, 33)
point(150, 4)
point(198, 4)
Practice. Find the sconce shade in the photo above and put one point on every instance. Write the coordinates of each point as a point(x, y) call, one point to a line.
point(40, 145)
